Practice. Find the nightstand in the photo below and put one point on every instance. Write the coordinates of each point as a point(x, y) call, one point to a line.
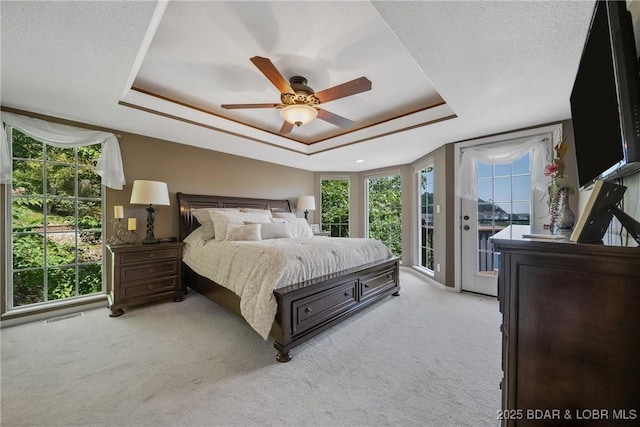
point(144, 273)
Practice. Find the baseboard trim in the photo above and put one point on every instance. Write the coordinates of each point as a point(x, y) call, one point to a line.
point(43, 312)
point(428, 278)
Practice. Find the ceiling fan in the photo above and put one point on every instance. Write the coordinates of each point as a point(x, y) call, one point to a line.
point(299, 103)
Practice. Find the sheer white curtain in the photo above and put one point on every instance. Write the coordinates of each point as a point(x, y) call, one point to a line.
point(501, 153)
point(109, 166)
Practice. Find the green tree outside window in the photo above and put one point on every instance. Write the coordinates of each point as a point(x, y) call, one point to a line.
point(335, 207)
point(385, 211)
point(56, 222)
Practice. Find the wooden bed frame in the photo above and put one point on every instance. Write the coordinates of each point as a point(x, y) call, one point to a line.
point(304, 309)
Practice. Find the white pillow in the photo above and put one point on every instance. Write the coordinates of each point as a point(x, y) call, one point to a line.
point(275, 230)
point(285, 215)
point(243, 232)
point(300, 228)
point(203, 215)
point(256, 210)
point(195, 236)
point(222, 219)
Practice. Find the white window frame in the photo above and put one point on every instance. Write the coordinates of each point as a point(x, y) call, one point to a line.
point(8, 232)
point(417, 169)
point(365, 188)
point(336, 178)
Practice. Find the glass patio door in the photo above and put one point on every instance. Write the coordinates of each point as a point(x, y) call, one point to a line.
point(504, 198)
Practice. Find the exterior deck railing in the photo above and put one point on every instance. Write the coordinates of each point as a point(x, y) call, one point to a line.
point(486, 258)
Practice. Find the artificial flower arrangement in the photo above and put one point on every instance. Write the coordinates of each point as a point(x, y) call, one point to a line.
point(560, 184)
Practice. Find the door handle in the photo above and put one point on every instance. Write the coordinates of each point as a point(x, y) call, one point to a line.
point(466, 217)
point(466, 228)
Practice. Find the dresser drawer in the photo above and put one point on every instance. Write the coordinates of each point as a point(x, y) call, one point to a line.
point(138, 289)
point(133, 257)
point(149, 270)
point(372, 285)
point(315, 309)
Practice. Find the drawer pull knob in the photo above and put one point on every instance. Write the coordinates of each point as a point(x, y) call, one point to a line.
point(389, 276)
point(150, 286)
point(366, 286)
point(307, 310)
point(152, 255)
point(347, 294)
point(151, 270)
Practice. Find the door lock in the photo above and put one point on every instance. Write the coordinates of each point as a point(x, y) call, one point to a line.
point(466, 227)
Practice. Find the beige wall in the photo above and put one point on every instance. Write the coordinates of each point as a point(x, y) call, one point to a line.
point(444, 247)
point(444, 196)
point(194, 170)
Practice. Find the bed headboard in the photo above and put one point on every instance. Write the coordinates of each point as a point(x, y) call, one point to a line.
point(187, 201)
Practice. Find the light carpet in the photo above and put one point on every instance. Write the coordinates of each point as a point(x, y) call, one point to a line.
point(426, 358)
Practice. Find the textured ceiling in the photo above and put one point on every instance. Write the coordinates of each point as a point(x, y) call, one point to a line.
point(441, 71)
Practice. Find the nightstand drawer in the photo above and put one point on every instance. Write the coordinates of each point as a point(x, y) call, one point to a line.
point(128, 258)
point(149, 288)
point(144, 273)
point(149, 270)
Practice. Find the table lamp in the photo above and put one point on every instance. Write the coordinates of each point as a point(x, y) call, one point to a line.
point(149, 193)
point(306, 203)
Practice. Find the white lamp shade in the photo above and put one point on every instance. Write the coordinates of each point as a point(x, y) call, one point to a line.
point(307, 203)
point(149, 193)
point(298, 114)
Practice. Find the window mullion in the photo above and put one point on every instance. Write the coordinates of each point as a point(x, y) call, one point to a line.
point(45, 225)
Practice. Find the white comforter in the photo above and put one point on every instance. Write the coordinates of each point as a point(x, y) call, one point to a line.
point(252, 269)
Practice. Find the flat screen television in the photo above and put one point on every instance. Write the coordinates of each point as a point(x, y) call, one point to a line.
point(605, 99)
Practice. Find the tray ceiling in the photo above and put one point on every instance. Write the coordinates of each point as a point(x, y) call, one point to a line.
point(328, 43)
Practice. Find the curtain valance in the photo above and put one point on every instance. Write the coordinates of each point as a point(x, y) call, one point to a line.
point(538, 147)
point(109, 166)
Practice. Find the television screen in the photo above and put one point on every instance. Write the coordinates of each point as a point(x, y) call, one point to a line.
point(604, 100)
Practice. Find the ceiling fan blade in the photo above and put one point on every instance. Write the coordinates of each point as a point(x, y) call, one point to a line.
point(238, 106)
point(271, 72)
point(361, 84)
point(286, 128)
point(335, 119)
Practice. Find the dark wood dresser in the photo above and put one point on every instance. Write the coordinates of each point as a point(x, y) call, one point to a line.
point(571, 332)
point(144, 273)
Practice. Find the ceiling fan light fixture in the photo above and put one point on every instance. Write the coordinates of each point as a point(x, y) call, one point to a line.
point(298, 114)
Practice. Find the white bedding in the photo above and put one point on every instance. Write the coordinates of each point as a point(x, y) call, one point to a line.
point(252, 269)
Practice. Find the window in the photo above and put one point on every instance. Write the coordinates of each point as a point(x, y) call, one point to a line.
point(55, 206)
point(425, 178)
point(504, 198)
point(384, 211)
point(335, 207)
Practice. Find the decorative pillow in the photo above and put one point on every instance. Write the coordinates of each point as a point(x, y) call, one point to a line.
point(275, 230)
point(256, 210)
point(204, 218)
point(285, 215)
point(300, 228)
point(243, 232)
point(221, 220)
